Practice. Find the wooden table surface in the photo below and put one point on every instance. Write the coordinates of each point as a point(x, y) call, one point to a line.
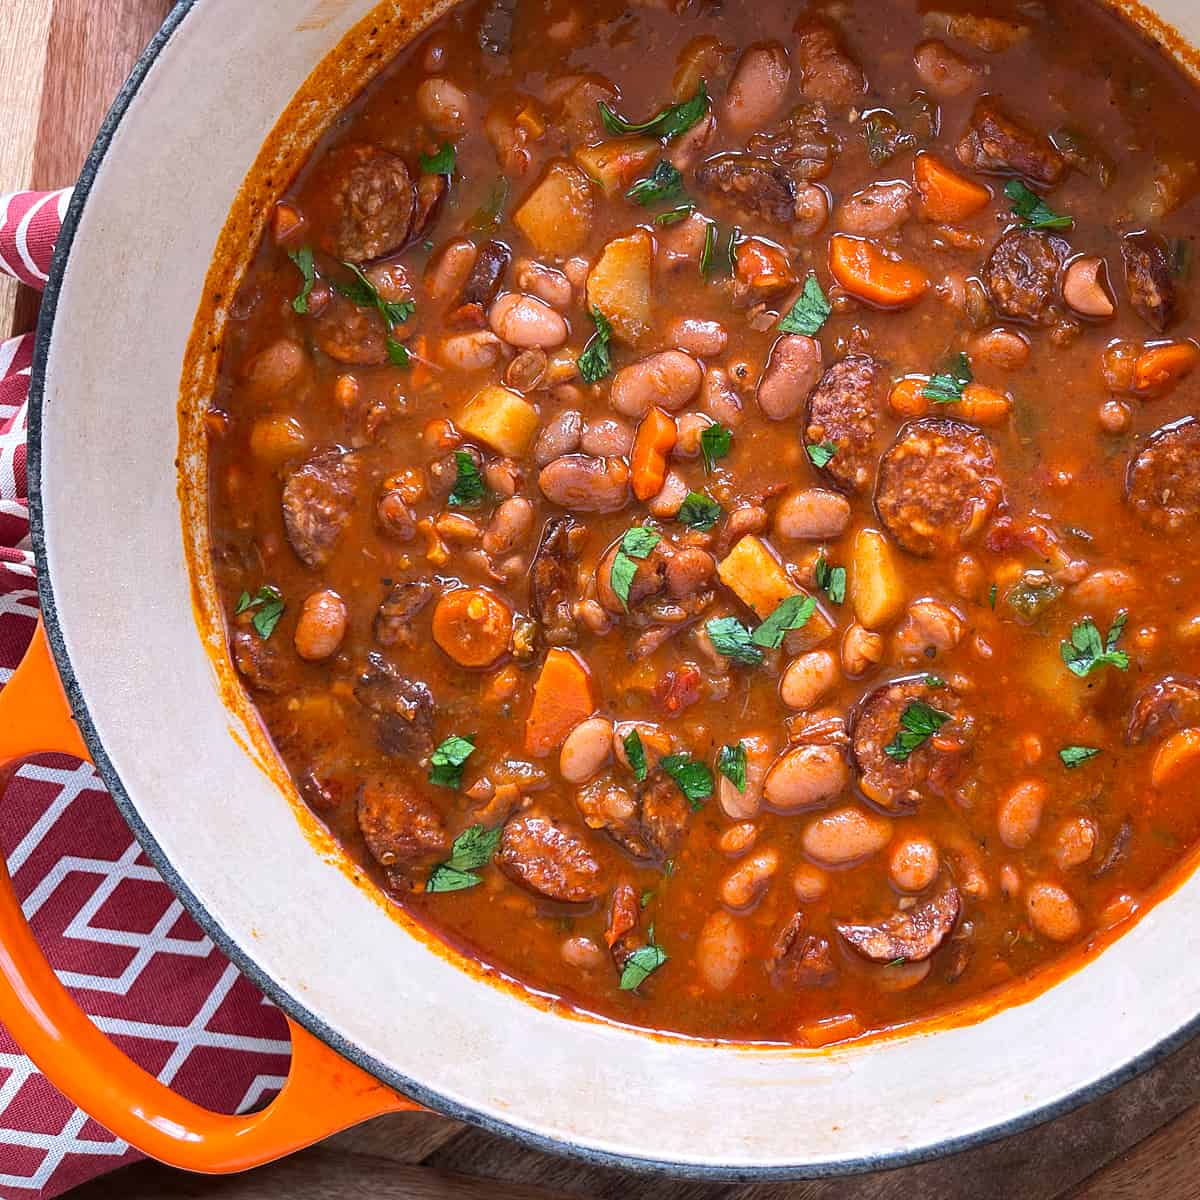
point(61, 62)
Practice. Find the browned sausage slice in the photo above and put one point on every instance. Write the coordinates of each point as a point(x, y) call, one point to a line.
point(400, 826)
point(402, 707)
point(550, 580)
point(550, 858)
point(317, 500)
point(801, 143)
point(846, 410)
point(800, 959)
point(259, 663)
point(1148, 277)
point(1172, 702)
point(827, 72)
point(753, 186)
point(898, 785)
point(482, 286)
point(999, 144)
point(373, 201)
point(910, 936)
point(1021, 274)
point(349, 334)
point(937, 486)
point(400, 607)
point(650, 823)
point(1163, 480)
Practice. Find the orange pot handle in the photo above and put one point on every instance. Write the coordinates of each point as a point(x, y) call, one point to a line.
point(323, 1094)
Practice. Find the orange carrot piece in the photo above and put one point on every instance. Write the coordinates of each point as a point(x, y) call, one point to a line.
point(864, 271)
point(828, 1030)
point(907, 397)
point(945, 194)
point(763, 266)
point(1179, 753)
point(1159, 368)
point(286, 222)
point(982, 405)
point(472, 626)
point(562, 697)
point(655, 439)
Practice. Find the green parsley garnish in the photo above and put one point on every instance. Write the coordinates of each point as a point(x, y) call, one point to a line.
point(715, 441)
point(884, 136)
point(1033, 211)
point(735, 236)
point(731, 762)
point(488, 216)
point(636, 545)
point(992, 596)
point(363, 293)
point(469, 489)
point(675, 214)
point(1074, 756)
point(669, 123)
point(636, 753)
point(268, 607)
point(447, 762)
point(663, 184)
point(918, 723)
point(732, 640)
point(820, 454)
point(441, 163)
point(698, 511)
point(595, 362)
point(946, 387)
point(934, 681)
point(1085, 653)
point(694, 778)
point(472, 849)
point(793, 613)
point(831, 580)
point(303, 258)
point(640, 965)
point(810, 311)
point(710, 243)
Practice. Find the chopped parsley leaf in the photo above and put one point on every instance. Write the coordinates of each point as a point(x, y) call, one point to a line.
point(992, 596)
point(731, 762)
point(447, 762)
point(732, 640)
point(710, 243)
point(699, 511)
point(1074, 756)
point(831, 580)
point(1033, 211)
point(918, 723)
point(675, 214)
point(663, 184)
point(364, 294)
point(1085, 653)
point(946, 387)
point(810, 311)
point(694, 778)
point(637, 544)
point(640, 965)
point(934, 681)
point(820, 454)
point(595, 362)
point(793, 613)
point(669, 123)
point(267, 604)
point(469, 489)
point(441, 163)
point(303, 258)
point(472, 849)
point(715, 441)
point(636, 753)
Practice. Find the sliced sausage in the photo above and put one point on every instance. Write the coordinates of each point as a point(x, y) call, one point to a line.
point(799, 959)
point(1149, 279)
point(373, 200)
point(999, 144)
point(482, 286)
point(400, 607)
point(1172, 702)
point(400, 826)
point(846, 409)
point(317, 501)
point(937, 486)
point(258, 662)
point(898, 785)
point(551, 577)
point(801, 143)
point(402, 708)
point(649, 824)
point(911, 935)
point(753, 186)
point(1021, 274)
point(827, 72)
point(791, 374)
point(349, 334)
point(1163, 480)
point(550, 858)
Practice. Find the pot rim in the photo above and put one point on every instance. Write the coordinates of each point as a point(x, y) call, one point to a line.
point(246, 963)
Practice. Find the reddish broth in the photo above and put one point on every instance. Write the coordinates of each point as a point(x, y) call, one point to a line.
point(868, 889)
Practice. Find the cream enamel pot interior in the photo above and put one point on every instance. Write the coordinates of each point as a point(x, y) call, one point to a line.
point(119, 615)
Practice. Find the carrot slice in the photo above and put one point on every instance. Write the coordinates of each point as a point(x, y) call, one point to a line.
point(1159, 368)
point(907, 397)
point(562, 697)
point(867, 274)
point(286, 222)
point(472, 626)
point(1179, 753)
point(945, 194)
point(982, 405)
point(655, 439)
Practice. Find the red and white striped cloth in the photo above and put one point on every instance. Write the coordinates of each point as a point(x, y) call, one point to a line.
point(113, 931)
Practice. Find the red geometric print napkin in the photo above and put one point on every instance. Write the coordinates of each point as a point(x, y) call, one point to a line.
point(113, 931)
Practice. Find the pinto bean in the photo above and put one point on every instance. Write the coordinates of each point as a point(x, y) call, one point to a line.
point(1052, 912)
point(738, 839)
point(560, 435)
point(1085, 287)
point(745, 884)
point(276, 367)
point(929, 628)
point(719, 398)
point(808, 678)
point(607, 438)
point(740, 806)
point(1075, 842)
point(668, 379)
point(443, 104)
point(527, 322)
point(509, 527)
point(1020, 812)
point(809, 883)
point(913, 864)
point(321, 626)
point(942, 71)
point(720, 950)
point(449, 270)
point(1105, 590)
point(546, 283)
point(692, 335)
point(845, 835)
point(473, 351)
point(1004, 349)
point(586, 484)
point(689, 570)
point(583, 953)
point(757, 88)
point(791, 373)
point(586, 749)
point(862, 649)
point(690, 426)
point(669, 500)
point(805, 777)
point(812, 515)
point(877, 208)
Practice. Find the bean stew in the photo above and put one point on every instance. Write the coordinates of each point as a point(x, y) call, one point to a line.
point(703, 497)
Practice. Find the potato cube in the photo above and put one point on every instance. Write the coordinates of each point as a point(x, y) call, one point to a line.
point(756, 576)
point(614, 164)
point(557, 215)
point(500, 419)
point(619, 284)
point(876, 593)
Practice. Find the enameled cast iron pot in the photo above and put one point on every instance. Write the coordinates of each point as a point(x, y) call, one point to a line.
point(375, 1007)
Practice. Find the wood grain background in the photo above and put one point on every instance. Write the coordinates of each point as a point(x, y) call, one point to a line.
point(61, 64)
